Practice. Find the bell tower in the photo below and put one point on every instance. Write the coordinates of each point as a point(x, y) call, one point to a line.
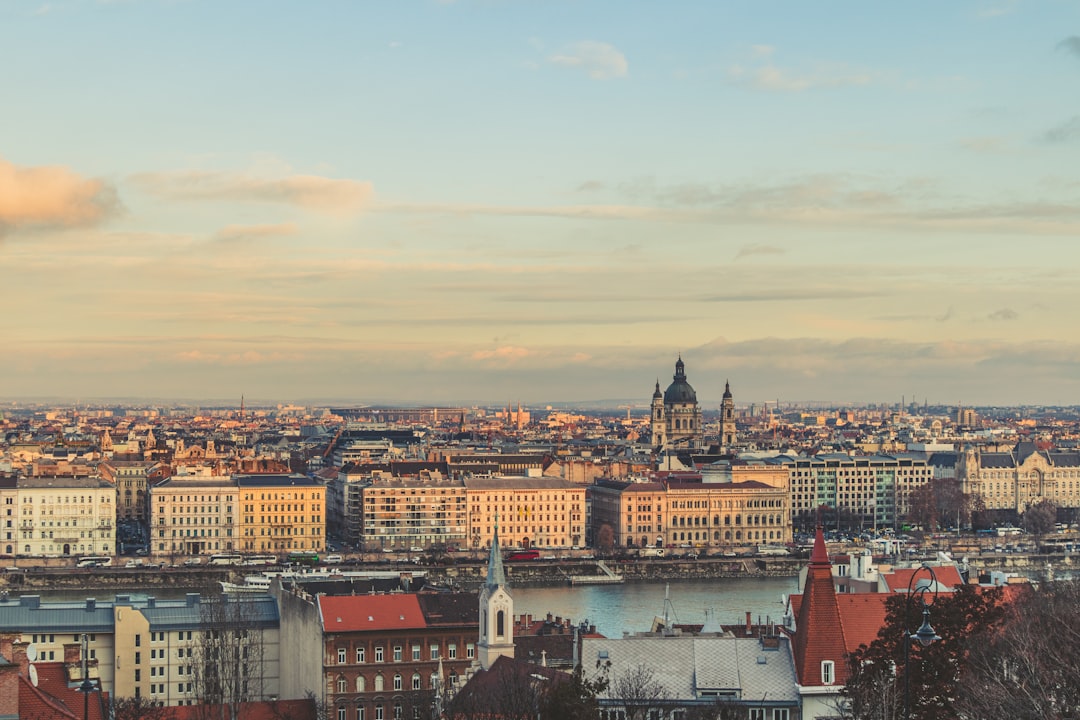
point(496, 610)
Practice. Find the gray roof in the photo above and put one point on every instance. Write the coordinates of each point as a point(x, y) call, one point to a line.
point(520, 483)
point(690, 666)
point(29, 613)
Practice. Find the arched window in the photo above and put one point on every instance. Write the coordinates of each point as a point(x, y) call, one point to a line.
point(500, 623)
point(378, 683)
point(342, 684)
point(416, 681)
point(397, 681)
point(360, 683)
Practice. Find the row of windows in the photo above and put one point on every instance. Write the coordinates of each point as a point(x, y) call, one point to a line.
point(398, 653)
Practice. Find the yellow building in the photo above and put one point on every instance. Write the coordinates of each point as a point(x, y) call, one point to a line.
point(544, 512)
point(281, 513)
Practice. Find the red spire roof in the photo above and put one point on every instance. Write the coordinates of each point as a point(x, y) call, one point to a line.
point(820, 555)
point(819, 636)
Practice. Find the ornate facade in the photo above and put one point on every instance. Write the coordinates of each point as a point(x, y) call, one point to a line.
point(676, 415)
point(1020, 478)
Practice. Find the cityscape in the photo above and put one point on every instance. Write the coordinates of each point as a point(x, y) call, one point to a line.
point(496, 360)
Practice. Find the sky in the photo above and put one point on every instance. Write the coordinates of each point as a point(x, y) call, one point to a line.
point(489, 202)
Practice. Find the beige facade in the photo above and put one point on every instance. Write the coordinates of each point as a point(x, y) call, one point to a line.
point(193, 516)
point(1022, 477)
point(404, 513)
point(752, 508)
point(541, 512)
point(65, 516)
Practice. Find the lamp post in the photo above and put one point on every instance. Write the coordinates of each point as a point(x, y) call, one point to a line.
point(925, 635)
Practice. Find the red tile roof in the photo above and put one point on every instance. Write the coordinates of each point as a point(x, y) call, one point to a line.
point(862, 615)
point(351, 613)
point(948, 576)
point(52, 699)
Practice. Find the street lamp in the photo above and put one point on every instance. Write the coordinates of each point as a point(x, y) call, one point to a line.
point(925, 635)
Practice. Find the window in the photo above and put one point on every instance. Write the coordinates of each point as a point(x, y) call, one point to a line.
point(397, 681)
point(378, 712)
point(416, 681)
point(451, 650)
point(757, 713)
point(378, 683)
point(434, 652)
point(341, 656)
point(397, 653)
point(341, 713)
point(378, 654)
point(359, 654)
point(781, 714)
point(359, 713)
point(341, 685)
point(827, 674)
point(470, 651)
point(415, 652)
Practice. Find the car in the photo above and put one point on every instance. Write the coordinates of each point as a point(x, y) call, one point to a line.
point(333, 559)
point(416, 548)
point(692, 555)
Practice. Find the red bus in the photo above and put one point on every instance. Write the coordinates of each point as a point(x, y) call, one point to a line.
point(523, 555)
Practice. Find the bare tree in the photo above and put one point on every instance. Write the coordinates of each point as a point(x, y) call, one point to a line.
point(227, 663)
point(722, 708)
point(1031, 669)
point(641, 694)
point(138, 708)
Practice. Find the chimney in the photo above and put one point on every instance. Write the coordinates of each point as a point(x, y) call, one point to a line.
point(72, 653)
point(749, 625)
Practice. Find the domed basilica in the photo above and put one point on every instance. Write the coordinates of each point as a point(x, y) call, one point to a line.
point(676, 416)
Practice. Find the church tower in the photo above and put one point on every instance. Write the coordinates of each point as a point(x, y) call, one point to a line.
point(659, 423)
point(727, 419)
point(496, 610)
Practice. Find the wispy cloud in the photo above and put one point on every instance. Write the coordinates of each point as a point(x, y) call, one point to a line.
point(998, 10)
point(1003, 314)
point(311, 192)
point(758, 249)
point(1063, 133)
point(1071, 44)
point(231, 233)
point(52, 197)
point(984, 144)
point(600, 61)
point(762, 74)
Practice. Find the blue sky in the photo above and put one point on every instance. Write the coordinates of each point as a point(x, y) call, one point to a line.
point(540, 201)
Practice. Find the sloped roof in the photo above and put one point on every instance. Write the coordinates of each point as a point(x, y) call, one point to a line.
point(819, 634)
point(862, 615)
point(352, 613)
point(687, 665)
point(948, 577)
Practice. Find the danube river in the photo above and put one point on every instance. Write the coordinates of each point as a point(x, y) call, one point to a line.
point(631, 607)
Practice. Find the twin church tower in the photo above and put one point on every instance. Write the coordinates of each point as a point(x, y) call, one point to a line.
point(676, 416)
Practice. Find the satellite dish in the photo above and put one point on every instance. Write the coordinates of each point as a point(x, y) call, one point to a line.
point(31, 652)
point(33, 675)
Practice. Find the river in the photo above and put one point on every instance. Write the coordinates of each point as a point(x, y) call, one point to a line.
point(611, 608)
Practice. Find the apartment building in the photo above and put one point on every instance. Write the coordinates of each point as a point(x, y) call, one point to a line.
point(531, 511)
point(872, 490)
point(281, 513)
point(64, 516)
point(194, 515)
point(409, 512)
point(148, 647)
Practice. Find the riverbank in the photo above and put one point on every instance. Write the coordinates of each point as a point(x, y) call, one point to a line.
point(470, 575)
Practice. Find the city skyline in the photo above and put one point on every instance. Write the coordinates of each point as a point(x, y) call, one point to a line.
point(483, 202)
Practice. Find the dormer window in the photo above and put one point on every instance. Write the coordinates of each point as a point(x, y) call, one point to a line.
point(828, 675)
